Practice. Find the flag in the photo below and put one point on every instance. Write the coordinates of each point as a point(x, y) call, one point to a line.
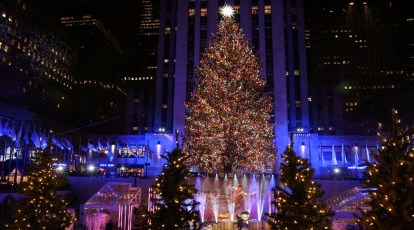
point(343, 156)
point(56, 142)
point(35, 139)
point(19, 135)
point(43, 139)
point(6, 129)
point(69, 145)
point(128, 149)
point(334, 162)
point(118, 147)
point(367, 150)
point(322, 158)
point(12, 133)
point(100, 146)
point(26, 135)
point(356, 156)
point(81, 147)
point(91, 147)
point(110, 153)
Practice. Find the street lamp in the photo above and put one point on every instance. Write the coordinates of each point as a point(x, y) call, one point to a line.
point(91, 168)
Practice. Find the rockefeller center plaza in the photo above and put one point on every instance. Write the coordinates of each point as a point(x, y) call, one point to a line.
point(206, 114)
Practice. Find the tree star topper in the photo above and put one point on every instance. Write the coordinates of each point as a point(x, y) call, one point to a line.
point(227, 11)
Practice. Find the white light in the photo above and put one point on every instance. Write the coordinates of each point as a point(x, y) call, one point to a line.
point(60, 168)
point(91, 168)
point(337, 170)
point(227, 11)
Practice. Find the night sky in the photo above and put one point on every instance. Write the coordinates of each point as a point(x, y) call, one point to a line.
point(120, 17)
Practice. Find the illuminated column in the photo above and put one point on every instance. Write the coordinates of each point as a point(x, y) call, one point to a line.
point(279, 77)
point(181, 67)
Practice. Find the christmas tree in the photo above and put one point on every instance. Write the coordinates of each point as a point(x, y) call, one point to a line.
point(42, 208)
point(389, 179)
point(229, 126)
point(173, 196)
point(296, 200)
point(141, 217)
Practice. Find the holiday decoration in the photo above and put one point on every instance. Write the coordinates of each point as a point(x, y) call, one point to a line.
point(229, 125)
point(173, 196)
point(42, 208)
point(389, 180)
point(296, 200)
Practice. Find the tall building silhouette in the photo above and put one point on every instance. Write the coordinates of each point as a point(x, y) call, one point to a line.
point(357, 64)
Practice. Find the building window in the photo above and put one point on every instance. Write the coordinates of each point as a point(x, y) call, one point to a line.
point(296, 72)
point(191, 12)
point(268, 9)
point(203, 12)
point(297, 104)
point(255, 10)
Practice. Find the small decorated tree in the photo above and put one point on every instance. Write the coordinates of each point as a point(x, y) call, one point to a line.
point(141, 217)
point(173, 196)
point(390, 181)
point(42, 208)
point(296, 200)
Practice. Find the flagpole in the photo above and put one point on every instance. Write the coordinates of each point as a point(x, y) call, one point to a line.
point(146, 161)
point(10, 160)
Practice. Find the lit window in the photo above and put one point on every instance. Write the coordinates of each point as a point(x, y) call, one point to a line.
point(296, 72)
point(135, 128)
point(164, 106)
point(268, 9)
point(297, 104)
point(255, 10)
point(191, 12)
point(203, 12)
point(136, 100)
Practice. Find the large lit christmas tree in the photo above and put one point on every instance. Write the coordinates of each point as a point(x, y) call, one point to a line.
point(42, 208)
point(389, 179)
point(229, 122)
point(173, 196)
point(296, 200)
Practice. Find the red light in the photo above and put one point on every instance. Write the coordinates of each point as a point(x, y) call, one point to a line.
point(390, 4)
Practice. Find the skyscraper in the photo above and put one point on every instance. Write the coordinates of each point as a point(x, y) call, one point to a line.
point(99, 92)
point(357, 64)
point(140, 81)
